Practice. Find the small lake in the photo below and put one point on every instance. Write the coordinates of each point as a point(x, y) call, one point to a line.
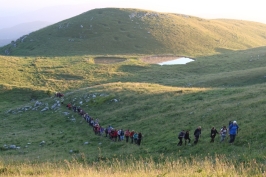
point(178, 61)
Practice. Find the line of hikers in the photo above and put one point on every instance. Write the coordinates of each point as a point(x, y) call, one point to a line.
point(232, 129)
point(112, 133)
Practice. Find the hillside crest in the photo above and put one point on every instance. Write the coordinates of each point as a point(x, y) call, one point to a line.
point(133, 31)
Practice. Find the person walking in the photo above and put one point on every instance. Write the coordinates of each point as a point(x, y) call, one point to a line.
point(122, 134)
point(233, 129)
point(187, 138)
point(223, 133)
point(135, 136)
point(213, 134)
point(131, 136)
point(197, 134)
point(127, 134)
point(139, 138)
point(180, 137)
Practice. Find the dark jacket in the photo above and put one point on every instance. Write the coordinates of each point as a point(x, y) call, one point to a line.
point(187, 135)
point(181, 135)
point(213, 132)
point(197, 132)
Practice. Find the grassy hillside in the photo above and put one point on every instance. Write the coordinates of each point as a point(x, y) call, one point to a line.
point(131, 31)
point(100, 67)
point(157, 100)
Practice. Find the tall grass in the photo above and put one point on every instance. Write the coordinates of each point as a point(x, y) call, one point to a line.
point(208, 166)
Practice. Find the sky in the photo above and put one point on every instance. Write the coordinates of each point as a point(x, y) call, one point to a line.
point(13, 12)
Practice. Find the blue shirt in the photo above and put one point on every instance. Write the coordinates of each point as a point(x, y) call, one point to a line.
point(233, 129)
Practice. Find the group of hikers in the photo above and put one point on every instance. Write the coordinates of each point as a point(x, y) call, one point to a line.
point(136, 137)
point(114, 134)
point(232, 129)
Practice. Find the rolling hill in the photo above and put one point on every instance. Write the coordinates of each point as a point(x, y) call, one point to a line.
point(131, 31)
point(96, 60)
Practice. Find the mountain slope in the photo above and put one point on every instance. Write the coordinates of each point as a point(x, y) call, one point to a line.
point(132, 31)
point(9, 34)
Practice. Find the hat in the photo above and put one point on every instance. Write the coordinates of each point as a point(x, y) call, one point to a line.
point(234, 122)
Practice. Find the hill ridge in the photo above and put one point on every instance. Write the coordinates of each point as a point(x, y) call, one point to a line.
point(133, 31)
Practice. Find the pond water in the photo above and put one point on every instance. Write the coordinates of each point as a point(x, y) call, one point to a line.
point(178, 61)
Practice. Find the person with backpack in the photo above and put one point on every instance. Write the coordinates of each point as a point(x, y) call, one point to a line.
point(197, 134)
point(180, 137)
point(223, 133)
point(233, 129)
point(187, 138)
point(127, 134)
point(213, 134)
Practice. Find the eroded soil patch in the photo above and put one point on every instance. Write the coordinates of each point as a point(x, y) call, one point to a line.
point(108, 60)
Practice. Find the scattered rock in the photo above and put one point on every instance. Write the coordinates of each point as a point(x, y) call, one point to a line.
point(114, 100)
point(66, 113)
point(12, 146)
point(45, 109)
point(37, 103)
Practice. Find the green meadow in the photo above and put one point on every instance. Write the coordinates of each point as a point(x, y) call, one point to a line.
point(225, 82)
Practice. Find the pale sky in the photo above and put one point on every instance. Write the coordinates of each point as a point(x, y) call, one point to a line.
point(251, 10)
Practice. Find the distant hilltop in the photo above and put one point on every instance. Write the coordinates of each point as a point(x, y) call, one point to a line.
point(113, 31)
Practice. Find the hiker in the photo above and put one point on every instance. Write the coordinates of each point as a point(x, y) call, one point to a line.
point(127, 133)
point(95, 129)
point(213, 134)
point(233, 129)
point(180, 137)
point(223, 133)
point(115, 134)
point(135, 136)
point(78, 109)
point(131, 135)
point(139, 138)
point(106, 132)
point(101, 131)
point(111, 134)
point(58, 94)
point(69, 106)
point(74, 108)
point(186, 137)
point(91, 122)
point(197, 134)
point(119, 134)
point(122, 134)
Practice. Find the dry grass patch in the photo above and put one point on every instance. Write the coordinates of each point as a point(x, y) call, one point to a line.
point(108, 60)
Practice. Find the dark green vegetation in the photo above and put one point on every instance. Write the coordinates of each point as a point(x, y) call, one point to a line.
point(131, 31)
point(157, 100)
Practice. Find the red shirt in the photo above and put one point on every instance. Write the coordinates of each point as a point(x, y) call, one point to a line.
point(131, 134)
